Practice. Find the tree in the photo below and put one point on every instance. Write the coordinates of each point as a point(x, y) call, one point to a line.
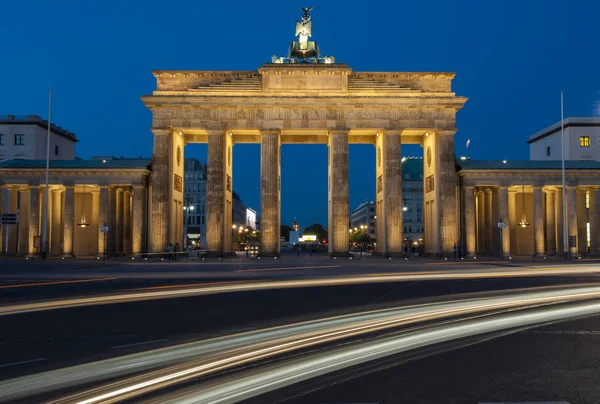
point(359, 237)
point(318, 230)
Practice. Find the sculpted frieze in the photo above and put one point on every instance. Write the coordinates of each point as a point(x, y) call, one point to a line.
point(253, 113)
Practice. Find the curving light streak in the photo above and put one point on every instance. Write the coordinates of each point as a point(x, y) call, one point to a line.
point(205, 357)
point(258, 382)
point(244, 286)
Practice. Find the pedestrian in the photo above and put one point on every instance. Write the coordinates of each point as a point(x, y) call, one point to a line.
point(176, 251)
point(454, 251)
point(170, 252)
point(459, 249)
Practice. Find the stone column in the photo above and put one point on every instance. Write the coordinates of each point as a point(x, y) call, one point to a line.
point(593, 212)
point(572, 216)
point(127, 222)
point(560, 222)
point(389, 192)
point(218, 194)
point(111, 220)
point(270, 193)
point(34, 220)
point(24, 221)
point(138, 213)
point(119, 222)
point(550, 222)
point(56, 229)
point(470, 214)
point(48, 239)
point(338, 194)
point(512, 219)
point(538, 222)
point(160, 191)
point(503, 212)
point(102, 220)
point(68, 221)
point(481, 222)
point(440, 181)
point(489, 222)
point(94, 223)
point(582, 219)
point(11, 229)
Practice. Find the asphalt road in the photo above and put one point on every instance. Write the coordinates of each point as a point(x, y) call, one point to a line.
point(40, 341)
point(553, 364)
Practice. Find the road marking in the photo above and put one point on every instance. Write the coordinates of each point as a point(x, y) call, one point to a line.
point(139, 343)
point(22, 362)
point(23, 285)
point(286, 268)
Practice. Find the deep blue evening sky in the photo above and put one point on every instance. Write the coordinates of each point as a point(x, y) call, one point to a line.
point(512, 57)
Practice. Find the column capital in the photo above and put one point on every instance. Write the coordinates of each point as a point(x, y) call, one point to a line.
point(161, 131)
point(270, 132)
point(443, 132)
point(338, 131)
point(215, 132)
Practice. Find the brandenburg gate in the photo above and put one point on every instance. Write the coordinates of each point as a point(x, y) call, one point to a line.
point(304, 98)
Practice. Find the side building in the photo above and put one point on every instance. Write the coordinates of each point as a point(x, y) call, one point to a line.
point(194, 204)
point(412, 198)
point(24, 138)
point(194, 208)
point(581, 140)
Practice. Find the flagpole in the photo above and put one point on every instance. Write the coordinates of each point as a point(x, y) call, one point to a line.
point(564, 196)
point(45, 215)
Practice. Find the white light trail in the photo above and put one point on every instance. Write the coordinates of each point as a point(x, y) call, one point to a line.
point(244, 286)
point(196, 359)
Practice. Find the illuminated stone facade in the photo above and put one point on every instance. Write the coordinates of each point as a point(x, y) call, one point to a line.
point(305, 103)
point(83, 196)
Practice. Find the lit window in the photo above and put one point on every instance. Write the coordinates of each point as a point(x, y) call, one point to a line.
point(1, 139)
point(587, 226)
point(19, 139)
point(587, 199)
point(584, 141)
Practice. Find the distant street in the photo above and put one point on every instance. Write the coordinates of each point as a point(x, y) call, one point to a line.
point(204, 307)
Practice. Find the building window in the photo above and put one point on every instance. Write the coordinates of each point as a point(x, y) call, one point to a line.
point(548, 151)
point(584, 141)
point(587, 199)
point(20, 139)
point(1, 139)
point(56, 150)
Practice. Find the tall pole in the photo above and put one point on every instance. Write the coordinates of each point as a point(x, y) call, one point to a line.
point(564, 197)
point(45, 215)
